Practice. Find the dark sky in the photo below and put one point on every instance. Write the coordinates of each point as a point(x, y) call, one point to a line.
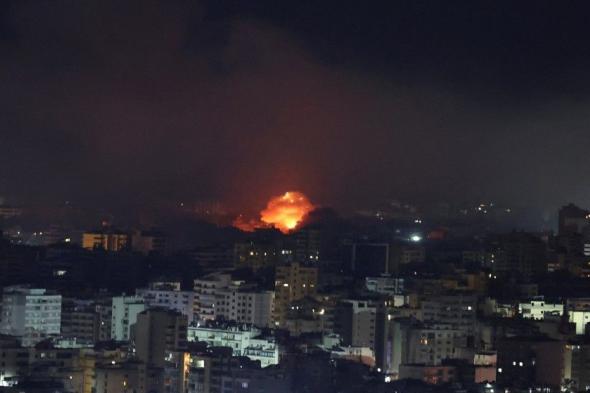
point(111, 101)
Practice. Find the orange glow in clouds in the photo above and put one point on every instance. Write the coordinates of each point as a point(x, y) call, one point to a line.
point(284, 212)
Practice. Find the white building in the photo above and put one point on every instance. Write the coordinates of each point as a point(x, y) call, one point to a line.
point(124, 315)
point(31, 314)
point(581, 318)
point(578, 310)
point(363, 315)
point(385, 284)
point(538, 309)
point(218, 296)
point(244, 340)
point(255, 308)
point(205, 294)
point(181, 301)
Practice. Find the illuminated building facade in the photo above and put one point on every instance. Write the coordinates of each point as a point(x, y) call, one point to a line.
point(124, 314)
point(539, 309)
point(30, 313)
point(293, 282)
point(105, 240)
point(181, 301)
point(244, 340)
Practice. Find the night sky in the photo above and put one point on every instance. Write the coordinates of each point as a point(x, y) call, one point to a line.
point(139, 101)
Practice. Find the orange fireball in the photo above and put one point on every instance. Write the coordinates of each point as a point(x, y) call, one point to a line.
point(285, 212)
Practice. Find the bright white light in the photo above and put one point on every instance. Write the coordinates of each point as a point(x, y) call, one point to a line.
point(415, 238)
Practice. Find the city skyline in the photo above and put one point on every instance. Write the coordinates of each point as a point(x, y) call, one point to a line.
point(294, 196)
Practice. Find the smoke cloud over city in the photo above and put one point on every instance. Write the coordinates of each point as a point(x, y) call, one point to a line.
point(113, 102)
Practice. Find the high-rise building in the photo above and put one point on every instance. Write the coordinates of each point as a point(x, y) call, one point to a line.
point(80, 320)
point(572, 219)
point(159, 334)
point(293, 282)
point(30, 313)
point(124, 314)
point(355, 323)
point(205, 289)
point(521, 253)
point(217, 296)
point(172, 299)
point(104, 309)
point(456, 311)
point(213, 258)
point(371, 259)
point(245, 306)
point(256, 255)
point(307, 244)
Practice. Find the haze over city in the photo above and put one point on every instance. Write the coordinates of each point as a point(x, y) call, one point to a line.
point(109, 103)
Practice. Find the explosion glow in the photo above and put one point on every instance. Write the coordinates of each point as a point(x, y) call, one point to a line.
point(284, 212)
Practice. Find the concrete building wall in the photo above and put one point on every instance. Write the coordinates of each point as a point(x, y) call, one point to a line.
point(124, 315)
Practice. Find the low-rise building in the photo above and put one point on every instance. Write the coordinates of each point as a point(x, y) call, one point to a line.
point(539, 309)
point(107, 240)
point(244, 340)
point(578, 310)
point(433, 375)
point(580, 318)
point(387, 285)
